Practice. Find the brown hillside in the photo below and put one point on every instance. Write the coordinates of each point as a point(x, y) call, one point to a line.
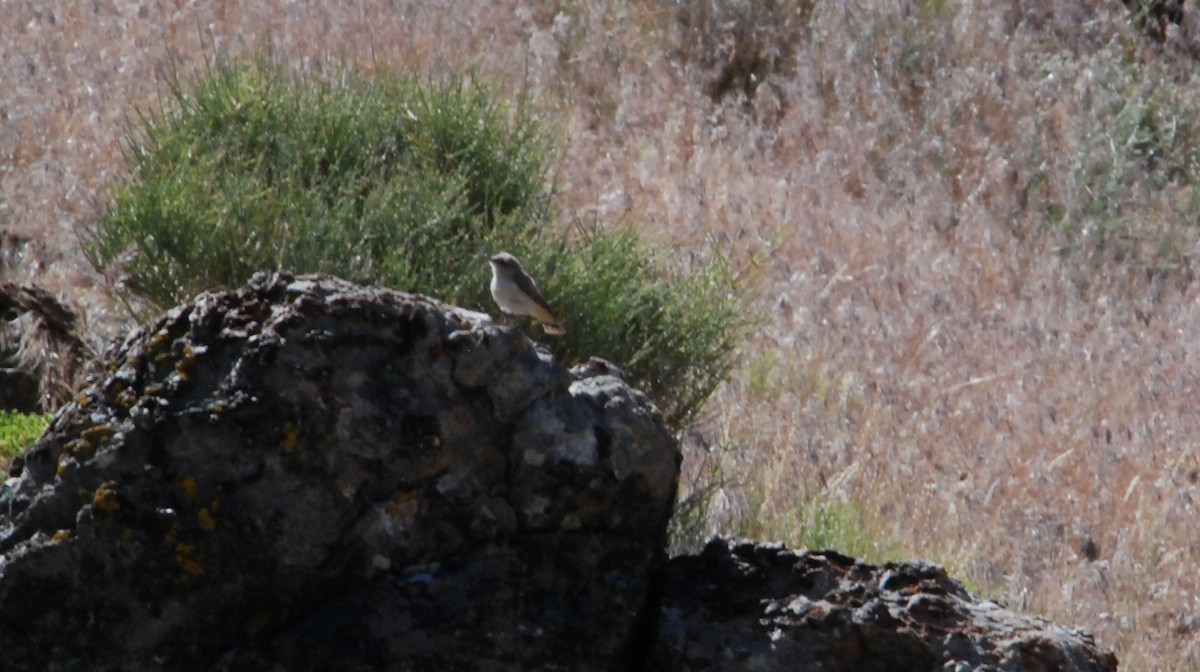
point(969, 228)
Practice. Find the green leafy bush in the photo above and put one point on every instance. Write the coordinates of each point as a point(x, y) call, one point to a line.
point(399, 182)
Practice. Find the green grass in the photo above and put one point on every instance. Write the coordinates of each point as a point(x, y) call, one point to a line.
point(820, 524)
point(400, 182)
point(17, 431)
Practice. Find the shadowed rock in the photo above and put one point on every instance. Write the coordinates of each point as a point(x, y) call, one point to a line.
point(740, 605)
point(318, 475)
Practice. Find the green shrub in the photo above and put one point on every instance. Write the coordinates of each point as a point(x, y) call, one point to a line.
point(399, 182)
point(1128, 196)
point(18, 430)
point(386, 180)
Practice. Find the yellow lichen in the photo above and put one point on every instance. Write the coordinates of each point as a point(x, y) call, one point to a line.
point(188, 485)
point(205, 520)
point(61, 535)
point(105, 497)
point(78, 447)
point(291, 437)
point(185, 558)
point(186, 362)
point(127, 398)
point(193, 568)
point(158, 340)
point(66, 464)
point(98, 433)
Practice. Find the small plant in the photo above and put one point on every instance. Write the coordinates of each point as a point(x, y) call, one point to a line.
point(18, 430)
point(823, 524)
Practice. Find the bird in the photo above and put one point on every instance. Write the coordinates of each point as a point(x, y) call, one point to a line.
point(517, 294)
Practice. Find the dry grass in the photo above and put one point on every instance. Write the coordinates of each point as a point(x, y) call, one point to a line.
point(930, 356)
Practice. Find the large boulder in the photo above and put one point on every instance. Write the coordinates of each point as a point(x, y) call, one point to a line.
point(307, 474)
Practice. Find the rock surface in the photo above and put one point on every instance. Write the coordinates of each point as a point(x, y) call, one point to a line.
point(309, 474)
point(740, 605)
point(306, 474)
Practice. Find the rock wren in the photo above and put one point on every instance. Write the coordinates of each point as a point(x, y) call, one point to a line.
point(517, 294)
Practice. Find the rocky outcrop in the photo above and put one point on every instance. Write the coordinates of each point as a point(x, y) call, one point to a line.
point(747, 606)
point(306, 474)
